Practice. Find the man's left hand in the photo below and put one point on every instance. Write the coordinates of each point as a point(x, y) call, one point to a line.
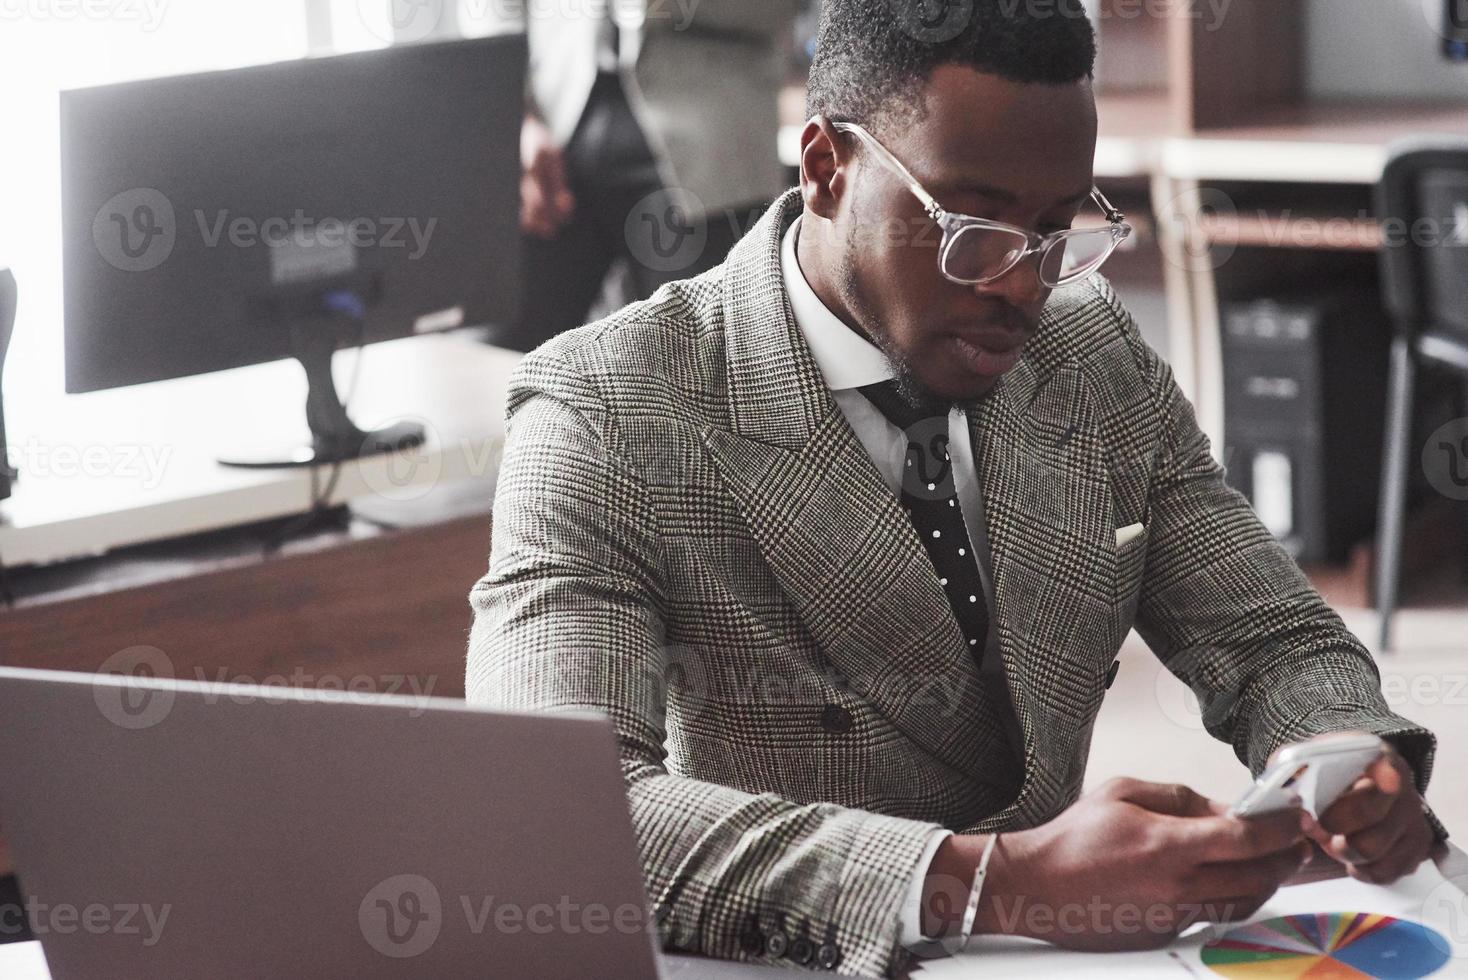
point(1378, 828)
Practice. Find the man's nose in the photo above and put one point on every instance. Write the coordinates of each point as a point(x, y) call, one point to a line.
point(1020, 287)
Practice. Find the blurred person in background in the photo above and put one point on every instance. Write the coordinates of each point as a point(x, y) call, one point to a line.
point(650, 137)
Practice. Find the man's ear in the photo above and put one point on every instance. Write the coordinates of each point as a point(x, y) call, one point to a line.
point(824, 167)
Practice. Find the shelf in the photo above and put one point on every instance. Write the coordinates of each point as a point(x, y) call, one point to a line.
point(1342, 142)
point(1331, 233)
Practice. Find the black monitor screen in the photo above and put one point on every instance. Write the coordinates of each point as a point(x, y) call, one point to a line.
point(202, 213)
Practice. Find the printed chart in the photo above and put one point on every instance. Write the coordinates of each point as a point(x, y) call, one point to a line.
point(1328, 946)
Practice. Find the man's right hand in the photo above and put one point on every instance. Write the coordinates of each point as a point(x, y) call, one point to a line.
point(546, 201)
point(1129, 866)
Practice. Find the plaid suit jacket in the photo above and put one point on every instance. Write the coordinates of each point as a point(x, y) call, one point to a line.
point(690, 538)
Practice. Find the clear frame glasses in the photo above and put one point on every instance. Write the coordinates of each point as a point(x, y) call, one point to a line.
point(977, 251)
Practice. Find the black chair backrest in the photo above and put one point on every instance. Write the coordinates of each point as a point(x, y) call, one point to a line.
point(1422, 201)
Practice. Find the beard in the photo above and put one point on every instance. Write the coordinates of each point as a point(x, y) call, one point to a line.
point(909, 387)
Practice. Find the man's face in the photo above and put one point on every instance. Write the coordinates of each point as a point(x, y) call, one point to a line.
point(990, 148)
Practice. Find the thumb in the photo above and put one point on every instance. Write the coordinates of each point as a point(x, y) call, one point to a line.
point(1387, 777)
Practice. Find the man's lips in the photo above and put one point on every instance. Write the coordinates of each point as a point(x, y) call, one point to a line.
point(989, 353)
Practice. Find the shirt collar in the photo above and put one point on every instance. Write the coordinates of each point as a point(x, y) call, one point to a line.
point(846, 358)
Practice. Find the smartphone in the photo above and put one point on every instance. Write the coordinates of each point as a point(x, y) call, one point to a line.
point(1314, 773)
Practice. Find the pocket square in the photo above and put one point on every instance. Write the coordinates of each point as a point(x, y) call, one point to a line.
point(1128, 534)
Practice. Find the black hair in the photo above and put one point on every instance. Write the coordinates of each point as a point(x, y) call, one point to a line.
point(873, 56)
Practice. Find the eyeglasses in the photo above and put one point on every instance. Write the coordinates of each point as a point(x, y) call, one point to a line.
point(976, 251)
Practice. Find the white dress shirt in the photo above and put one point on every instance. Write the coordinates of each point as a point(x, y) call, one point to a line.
point(848, 361)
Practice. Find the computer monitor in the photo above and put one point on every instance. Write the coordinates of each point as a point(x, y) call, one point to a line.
point(217, 220)
point(1455, 29)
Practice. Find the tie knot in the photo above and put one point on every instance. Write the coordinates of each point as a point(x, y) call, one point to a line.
point(897, 409)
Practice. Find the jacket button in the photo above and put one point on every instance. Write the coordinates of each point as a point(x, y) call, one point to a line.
point(776, 943)
point(828, 956)
point(836, 719)
point(802, 951)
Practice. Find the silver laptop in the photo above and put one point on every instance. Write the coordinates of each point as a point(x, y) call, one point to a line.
point(167, 828)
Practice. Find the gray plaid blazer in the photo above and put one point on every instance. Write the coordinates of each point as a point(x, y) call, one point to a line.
point(689, 537)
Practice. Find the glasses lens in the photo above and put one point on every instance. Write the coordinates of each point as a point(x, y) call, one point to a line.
point(1076, 255)
point(976, 254)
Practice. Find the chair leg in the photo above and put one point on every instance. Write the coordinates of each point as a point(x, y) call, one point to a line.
point(1392, 515)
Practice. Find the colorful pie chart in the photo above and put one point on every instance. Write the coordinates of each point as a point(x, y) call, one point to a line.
point(1328, 946)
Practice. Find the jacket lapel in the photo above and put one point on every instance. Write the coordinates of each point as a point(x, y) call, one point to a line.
point(834, 535)
point(847, 556)
point(1046, 496)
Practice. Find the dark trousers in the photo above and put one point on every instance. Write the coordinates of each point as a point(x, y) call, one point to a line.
point(13, 925)
point(623, 216)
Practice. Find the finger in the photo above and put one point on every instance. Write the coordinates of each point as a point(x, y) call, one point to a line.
point(1371, 844)
point(1364, 805)
point(1260, 876)
point(1170, 799)
point(1403, 856)
point(565, 205)
point(1404, 859)
point(532, 195)
point(536, 216)
point(1228, 839)
point(1313, 830)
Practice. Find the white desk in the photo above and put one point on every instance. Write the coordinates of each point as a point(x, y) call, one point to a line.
point(124, 467)
point(26, 961)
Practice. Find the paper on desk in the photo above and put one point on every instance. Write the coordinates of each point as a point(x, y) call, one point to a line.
point(1425, 896)
point(23, 961)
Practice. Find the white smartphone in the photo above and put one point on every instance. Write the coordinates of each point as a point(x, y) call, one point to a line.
point(1314, 773)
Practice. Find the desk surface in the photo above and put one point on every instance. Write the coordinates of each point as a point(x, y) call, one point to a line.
point(25, 961)
point(133, 465)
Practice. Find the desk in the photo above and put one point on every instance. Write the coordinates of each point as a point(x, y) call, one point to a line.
point(216, 602)
point(134, 465)
point(25, 961)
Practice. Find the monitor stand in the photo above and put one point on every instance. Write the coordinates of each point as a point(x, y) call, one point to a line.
point(334, 437)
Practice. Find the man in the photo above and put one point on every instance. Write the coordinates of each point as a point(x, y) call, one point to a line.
point(880, 498)
point(649, 138)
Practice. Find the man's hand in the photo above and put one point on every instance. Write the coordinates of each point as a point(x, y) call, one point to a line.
point(1377, 828)
point(546, 201)
point(1129, 866)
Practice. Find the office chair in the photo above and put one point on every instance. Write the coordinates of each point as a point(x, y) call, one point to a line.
point(1424, 273)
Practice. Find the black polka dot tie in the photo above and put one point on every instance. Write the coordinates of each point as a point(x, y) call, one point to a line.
point(930, 497)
